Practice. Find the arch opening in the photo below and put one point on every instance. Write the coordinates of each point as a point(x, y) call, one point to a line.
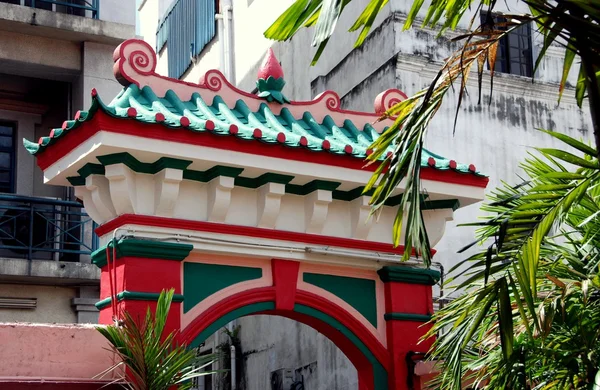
point(371, 370)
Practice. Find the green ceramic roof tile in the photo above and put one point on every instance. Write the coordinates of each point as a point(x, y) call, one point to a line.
point(197, 115)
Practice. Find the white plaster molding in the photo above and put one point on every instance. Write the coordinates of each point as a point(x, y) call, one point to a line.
point(435, 222)
point(359, 214)
point(149, 150)
point(166, 184)
point(258, 247)
point(269, 203)
point(316, 205)
point(99, 191)
point(122, 188)
point(86, 196)
point(219, 198)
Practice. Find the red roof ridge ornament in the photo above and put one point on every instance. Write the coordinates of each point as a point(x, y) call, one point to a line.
point(135, 63)
point(270, 81)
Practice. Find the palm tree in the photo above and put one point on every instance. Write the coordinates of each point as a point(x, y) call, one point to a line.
point(149, 358)
point(529, 318)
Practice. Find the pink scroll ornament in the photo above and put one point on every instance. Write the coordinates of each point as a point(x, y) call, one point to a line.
point(388, 99)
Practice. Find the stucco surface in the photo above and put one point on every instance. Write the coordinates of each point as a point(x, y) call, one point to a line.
point(59, 352)
point(53, 305)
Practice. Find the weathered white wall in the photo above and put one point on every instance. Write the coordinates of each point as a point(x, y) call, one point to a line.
point(292, 345)
point(270, 343)
point(97, 72)
point(53, 304)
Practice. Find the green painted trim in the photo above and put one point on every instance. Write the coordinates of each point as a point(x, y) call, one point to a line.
point(208, 175)
point(135, 296)
point(407, 317)
point(91, 169)
point(227, 318)
point(357, 292)
point(141, 167)
point(262, 180)
point(202, 280)
point(311, 187)
point(219, 170)
point(129, 247)
point(352, 194)
point(453, 204)
point(411, 275)
point(76, 180)
point(379, 372)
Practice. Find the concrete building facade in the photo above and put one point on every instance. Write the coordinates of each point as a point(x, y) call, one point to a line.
point(51, 56)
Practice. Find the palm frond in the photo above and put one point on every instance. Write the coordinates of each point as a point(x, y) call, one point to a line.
point(153, 359)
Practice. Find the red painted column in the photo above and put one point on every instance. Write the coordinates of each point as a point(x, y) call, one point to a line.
point(141, 271)
point(408, 305)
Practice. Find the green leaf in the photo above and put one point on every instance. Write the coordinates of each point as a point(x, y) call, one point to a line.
point(328, 17)
point(505, 320)
point(366, 20)
point(319, 52)
point(412, 14)
point(549, 37)
point(569, 57)
point(581, 86)
point(562, 176)
point(570, 158)
point(292, 19)
point(572, 142)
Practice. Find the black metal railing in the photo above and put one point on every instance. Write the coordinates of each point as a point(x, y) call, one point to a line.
point(45, 229)
point(73, 7)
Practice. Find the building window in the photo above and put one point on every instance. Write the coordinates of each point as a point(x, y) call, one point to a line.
point(514, 52)
point(184, 42)
point(8, 132)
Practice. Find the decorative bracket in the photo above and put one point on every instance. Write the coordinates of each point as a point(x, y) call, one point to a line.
point(269, 202)
point(435, 220)
point(166, 191)
point(122, 188)
point(86, 196)
point(97, 186)
point(316, 205)
point(359, 214)
point(219, 198)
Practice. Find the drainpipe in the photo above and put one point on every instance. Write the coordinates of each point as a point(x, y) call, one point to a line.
point(225, 19)
point(441, 267)
point(221, 37)
point(233, 373)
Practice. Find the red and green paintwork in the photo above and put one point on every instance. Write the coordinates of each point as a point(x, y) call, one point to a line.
point(240, 181)
point(146, 267)
point(375, 318)
point(198, 116)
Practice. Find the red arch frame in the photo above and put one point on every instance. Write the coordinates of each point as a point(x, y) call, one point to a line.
point(268, 294)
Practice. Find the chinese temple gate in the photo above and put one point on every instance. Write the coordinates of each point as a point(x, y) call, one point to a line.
point(251, 204)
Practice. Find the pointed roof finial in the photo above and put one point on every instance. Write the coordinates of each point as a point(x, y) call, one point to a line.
point(270, 79)
point(270, 67)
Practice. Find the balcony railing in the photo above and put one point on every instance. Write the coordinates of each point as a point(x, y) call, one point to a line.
point(73, 7)
point(45, 229)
